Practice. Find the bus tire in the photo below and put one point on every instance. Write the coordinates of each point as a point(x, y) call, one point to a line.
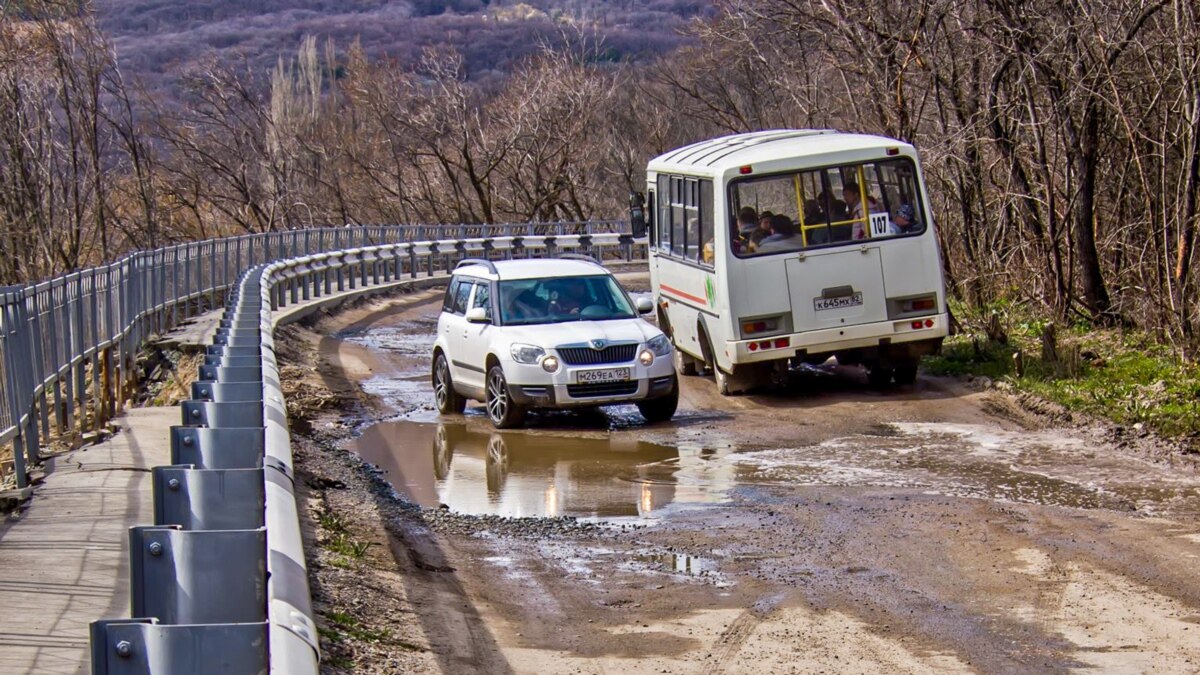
point(878, 375)
point(684, 363)
point(905, 372)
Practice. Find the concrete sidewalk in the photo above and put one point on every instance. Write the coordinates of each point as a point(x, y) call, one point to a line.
point(63, 560)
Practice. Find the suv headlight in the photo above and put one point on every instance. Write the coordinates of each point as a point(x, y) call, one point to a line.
point(661, 346)
point(527, 353)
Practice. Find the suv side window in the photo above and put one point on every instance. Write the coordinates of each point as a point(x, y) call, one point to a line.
point(451, 291)
point(482, 297)
point(461, 294)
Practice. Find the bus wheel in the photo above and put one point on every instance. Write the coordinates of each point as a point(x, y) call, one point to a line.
point(684, 363)
point(878, 376)
point(906, 371)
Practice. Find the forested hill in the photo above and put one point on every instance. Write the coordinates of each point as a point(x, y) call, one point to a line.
point(157, 40)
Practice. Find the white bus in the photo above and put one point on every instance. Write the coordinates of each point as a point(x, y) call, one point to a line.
point(776, 248)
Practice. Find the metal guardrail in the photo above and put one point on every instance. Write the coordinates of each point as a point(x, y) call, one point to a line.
point(68, 346)
point(219, 583)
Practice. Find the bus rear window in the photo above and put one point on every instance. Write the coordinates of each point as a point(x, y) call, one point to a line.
point(826, 207)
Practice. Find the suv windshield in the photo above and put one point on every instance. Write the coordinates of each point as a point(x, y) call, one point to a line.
point(558, 299)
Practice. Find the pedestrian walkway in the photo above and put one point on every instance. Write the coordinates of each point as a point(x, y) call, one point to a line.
point(63, 560)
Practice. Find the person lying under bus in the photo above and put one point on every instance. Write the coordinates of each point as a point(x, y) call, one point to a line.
point(783, 237)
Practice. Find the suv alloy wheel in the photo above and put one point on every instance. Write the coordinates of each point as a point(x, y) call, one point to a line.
point(501, 409)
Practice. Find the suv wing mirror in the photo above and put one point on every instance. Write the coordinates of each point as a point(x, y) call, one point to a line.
point(477, 315)
point(644, 304)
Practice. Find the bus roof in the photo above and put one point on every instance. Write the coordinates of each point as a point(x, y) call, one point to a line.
point(718, 155)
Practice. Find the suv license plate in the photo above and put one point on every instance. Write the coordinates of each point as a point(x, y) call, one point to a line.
point(853, 300)
point(605, 375)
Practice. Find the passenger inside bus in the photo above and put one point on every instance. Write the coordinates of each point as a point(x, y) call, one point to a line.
point(783, 236)
point(904, 221)
point(747, 222)
point(854, 205)
point(763, 231)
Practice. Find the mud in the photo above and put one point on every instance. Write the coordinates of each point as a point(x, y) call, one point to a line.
point(826, 528)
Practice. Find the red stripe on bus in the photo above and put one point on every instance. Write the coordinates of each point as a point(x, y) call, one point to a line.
point(686, 296)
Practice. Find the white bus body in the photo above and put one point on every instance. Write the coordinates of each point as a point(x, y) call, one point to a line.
point(853, 280)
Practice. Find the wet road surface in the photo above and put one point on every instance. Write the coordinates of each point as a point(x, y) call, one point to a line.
point(829, 527)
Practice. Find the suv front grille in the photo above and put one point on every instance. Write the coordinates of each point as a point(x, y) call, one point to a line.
point(602, 389)
point(586, 356)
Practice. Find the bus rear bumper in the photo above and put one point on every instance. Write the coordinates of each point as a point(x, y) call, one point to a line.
point(880, 335)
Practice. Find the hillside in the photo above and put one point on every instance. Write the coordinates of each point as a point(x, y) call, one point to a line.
point(157, 41)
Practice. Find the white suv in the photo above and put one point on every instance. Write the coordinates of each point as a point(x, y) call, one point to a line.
point(548, 333)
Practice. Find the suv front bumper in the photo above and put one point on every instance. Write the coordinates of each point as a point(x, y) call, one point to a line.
point(560, 390)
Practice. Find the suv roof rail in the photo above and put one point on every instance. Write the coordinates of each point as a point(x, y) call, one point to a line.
point(467, 262)
point(579, 256)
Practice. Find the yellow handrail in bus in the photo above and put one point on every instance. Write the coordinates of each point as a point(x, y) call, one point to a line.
point(800, 208)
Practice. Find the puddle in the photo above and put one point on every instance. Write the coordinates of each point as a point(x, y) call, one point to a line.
point(591, 464)
point(678, 563)
point(522, 474)
point(982, 462)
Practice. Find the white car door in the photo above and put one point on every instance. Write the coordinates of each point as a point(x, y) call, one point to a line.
point(475, 337)
point(453, 324)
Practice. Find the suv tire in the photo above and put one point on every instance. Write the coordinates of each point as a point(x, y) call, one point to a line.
point(449, 402)
point(662, 408)
point(501, 409)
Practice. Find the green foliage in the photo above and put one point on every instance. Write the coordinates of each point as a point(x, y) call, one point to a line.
point(1123, 376)
point(343, 544)
point(340, 540)
point(343, 625)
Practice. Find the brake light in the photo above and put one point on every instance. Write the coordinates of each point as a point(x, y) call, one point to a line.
point(929, 323)
point(753, 346)
point(892, 152)
point(745, 170)
point(916, 325)
point(756, 326)
point(926, 303)
point(782, 342)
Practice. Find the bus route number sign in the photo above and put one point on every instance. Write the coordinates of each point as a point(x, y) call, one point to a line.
point(852, 300)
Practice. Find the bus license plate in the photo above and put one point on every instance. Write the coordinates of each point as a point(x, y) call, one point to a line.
point(853, 300)
point(605, 375)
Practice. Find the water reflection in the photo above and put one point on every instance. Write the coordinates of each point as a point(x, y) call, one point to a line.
point(521, 474)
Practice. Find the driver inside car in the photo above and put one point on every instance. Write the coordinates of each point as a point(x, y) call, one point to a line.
point(569, 297)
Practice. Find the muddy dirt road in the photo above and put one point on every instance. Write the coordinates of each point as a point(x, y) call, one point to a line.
point(828, 528)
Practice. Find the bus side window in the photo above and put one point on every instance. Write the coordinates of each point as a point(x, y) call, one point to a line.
point(664, 214)
point(652, 215)
point(706, 251)
point(678, 218)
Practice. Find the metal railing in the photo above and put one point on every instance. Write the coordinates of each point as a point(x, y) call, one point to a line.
point(68, 346)
point(219, 583)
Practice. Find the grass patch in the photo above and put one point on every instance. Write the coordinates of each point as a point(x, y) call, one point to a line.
point(1120, 375)
point(343, 544)
point(340, 541)
point(343, 625)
